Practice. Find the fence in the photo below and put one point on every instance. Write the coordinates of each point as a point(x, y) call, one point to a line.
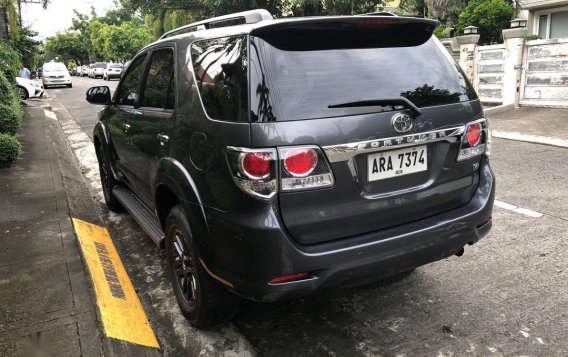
point(489, 73)
point(545, 75)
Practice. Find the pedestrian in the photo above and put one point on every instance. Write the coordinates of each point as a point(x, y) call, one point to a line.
point(24, 72)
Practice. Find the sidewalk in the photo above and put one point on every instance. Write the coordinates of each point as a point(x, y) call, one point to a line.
point(546, 126)
point(45, 303)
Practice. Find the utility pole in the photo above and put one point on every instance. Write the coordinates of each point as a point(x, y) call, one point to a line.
point(4, 34)
point(20, 7)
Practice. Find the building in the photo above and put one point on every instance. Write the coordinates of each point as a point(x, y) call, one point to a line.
point(546, 18)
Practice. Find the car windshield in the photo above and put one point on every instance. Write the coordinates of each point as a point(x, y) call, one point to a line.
point(100, 65)
point(292, 84)
point(52, 67)
point(115, 66)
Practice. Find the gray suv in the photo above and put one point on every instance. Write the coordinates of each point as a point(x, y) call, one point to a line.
point(274, 159)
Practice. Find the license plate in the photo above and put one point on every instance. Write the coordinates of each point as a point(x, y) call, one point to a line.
point(400, 162)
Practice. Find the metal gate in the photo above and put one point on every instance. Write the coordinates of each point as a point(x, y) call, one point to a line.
point(490, 70)
point(545, 74)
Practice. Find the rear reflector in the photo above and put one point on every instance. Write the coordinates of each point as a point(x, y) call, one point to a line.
point(289, 278)
point(484, 222)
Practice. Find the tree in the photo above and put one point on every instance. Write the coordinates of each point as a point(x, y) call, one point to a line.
point(67, 46)
point(491, 16)
point(120, 43)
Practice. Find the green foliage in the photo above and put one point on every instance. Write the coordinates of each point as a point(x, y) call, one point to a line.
point(9, 61)
point(10, 119)
point(443, 31)
point(28, 48)
point(491, 16)
point(532, 37)
point(10, 150)
point(67, 46)
point(8, 94)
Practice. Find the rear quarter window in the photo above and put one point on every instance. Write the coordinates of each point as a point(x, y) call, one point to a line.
point(220, 69)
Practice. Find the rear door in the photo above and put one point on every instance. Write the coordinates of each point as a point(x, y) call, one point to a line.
point(386, 104)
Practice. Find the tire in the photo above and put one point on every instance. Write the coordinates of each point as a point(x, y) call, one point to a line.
point(70, 85)
point(108, 182)
point(203, 301)
point(23, 93)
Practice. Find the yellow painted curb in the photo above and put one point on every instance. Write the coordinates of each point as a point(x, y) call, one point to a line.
point(121, 312)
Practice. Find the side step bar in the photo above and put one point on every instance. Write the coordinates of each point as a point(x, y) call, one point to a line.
point(141, 214)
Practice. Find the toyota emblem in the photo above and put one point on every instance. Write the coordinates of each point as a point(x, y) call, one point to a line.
point(402, 123)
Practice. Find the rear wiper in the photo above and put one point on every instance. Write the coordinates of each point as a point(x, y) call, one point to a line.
point(380, 101)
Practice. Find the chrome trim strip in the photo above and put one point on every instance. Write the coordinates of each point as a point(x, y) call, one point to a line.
point(345, 152)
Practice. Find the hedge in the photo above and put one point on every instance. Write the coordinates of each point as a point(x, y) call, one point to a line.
point(10, 150)
point(9, 61)
point(10, 119)
point(8, 93)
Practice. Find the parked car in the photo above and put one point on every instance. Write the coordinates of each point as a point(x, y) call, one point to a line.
point(98, 69)
point(79, 71)
point(85, 70)
point(28, 88)
point(266, 175)
point(56, 74)
point(73, 71)
point(39, 72)
point(112, 70)
point(90, 70)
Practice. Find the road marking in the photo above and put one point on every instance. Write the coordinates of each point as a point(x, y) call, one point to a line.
point(517, 209)
point(121, 311)
point(49, 114)
point(563, 143)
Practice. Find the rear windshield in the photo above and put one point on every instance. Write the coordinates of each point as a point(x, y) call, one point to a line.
point(115, 66)
point(301, 84)
point(100, 65)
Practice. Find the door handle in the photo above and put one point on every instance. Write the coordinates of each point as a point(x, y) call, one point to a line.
point(163, 139)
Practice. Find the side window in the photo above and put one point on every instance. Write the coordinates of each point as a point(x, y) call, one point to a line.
point(220, 67)
point(159, 88)
point(128, 91)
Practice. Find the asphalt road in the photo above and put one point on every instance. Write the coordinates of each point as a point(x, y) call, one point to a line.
point(507, 295)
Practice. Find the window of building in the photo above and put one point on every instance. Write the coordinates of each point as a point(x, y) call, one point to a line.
point(552, 23)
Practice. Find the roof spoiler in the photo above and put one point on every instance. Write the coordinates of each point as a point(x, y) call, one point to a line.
point(245, 17)
point(341, 32)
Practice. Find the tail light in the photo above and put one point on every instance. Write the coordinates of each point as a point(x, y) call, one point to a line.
point(303, 167)
point(475, 140)
point(256, 171)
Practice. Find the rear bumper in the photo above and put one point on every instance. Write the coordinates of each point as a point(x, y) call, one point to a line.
point(250, 255)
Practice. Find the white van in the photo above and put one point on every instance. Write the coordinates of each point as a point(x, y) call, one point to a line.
point(56, 74)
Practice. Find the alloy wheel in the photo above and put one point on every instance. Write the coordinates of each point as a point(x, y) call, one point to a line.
point(184, 268)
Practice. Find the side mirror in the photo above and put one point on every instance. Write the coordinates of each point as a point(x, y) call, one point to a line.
point(99, 95)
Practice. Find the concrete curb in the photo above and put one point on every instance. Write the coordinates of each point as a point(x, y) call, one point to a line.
point(535, 139)
point(499, 109)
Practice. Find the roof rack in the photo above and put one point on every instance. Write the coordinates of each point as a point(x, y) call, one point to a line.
point(249, 17)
